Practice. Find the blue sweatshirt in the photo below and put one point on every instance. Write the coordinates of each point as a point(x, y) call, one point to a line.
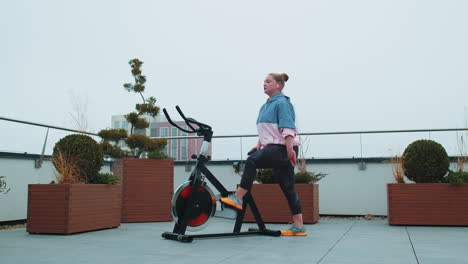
point(276, 121)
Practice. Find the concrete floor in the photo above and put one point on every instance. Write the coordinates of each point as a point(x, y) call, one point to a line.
point(330, 241)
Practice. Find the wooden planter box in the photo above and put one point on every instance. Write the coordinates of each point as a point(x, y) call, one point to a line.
point(72, 208)
point(427, 204)
point(273, 206)
point(147, 188)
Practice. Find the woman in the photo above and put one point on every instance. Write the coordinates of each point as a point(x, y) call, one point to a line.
point(277, 148)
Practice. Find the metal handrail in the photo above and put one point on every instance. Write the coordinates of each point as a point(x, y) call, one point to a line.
point(255, 135)
point(48, 126)
point(337, 133)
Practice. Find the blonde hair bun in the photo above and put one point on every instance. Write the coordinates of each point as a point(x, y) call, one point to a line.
point(285, 77)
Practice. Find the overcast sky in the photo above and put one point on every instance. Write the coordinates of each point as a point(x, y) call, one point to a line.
point(353, 65)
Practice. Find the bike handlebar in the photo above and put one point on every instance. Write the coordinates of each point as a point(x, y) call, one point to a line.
point(183, 117)
point(174, 124)
point(189, 121)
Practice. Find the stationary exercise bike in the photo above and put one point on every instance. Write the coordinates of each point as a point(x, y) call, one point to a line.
point(194, 204)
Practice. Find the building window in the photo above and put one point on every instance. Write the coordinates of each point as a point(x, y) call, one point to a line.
point(174, 146)
point(184, 145)
point(125, 125)
point(164, 132)
point(117, 124)
point(153, 129)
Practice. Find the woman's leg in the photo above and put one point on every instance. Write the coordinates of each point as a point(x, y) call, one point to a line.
point(267, 157)
point(286, 179)
point(287, 184)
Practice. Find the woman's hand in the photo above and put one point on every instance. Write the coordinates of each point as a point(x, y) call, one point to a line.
point(290, 150)
point(292, 156)
point(255, 148)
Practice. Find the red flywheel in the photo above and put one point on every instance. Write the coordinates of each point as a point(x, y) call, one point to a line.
point(203, 205)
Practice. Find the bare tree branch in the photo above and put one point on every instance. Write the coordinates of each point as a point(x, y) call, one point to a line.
point(79, 112)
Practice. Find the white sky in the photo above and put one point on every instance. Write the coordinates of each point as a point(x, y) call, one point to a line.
point(353, 65)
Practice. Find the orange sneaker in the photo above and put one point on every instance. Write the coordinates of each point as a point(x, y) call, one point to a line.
point(232, 201)
point(294, 231)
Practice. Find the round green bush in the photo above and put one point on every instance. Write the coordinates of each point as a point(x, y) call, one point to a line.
point(425, 161)
point(84, 151)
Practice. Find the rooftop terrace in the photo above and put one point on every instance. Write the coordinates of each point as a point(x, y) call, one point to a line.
point(330, 241)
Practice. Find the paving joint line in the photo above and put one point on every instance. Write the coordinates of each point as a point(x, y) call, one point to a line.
point(336, 243)
point(412, 246)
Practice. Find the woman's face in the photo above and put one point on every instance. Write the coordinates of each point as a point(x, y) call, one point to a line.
point(270, 86)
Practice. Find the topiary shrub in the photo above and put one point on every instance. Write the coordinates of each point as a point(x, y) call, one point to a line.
point(157, 154)
point(112, 151)
point(457, 177)
point(83, 151)
point(104, 178)
point(425, 161)
point(265, 176)
point(113, 135)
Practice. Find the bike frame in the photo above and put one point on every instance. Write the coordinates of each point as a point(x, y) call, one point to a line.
point(196, 179)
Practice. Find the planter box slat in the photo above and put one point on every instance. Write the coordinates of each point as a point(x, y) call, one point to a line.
point(49, 214)
point(51, 230)
point(427, 204)
point(57, 222)
point(88, 204)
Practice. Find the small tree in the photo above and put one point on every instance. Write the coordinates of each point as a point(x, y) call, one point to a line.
point(137, 143)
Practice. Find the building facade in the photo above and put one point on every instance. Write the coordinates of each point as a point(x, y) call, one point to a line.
point(180, 149)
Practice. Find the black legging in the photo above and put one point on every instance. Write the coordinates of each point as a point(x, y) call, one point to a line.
point(275, 157)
